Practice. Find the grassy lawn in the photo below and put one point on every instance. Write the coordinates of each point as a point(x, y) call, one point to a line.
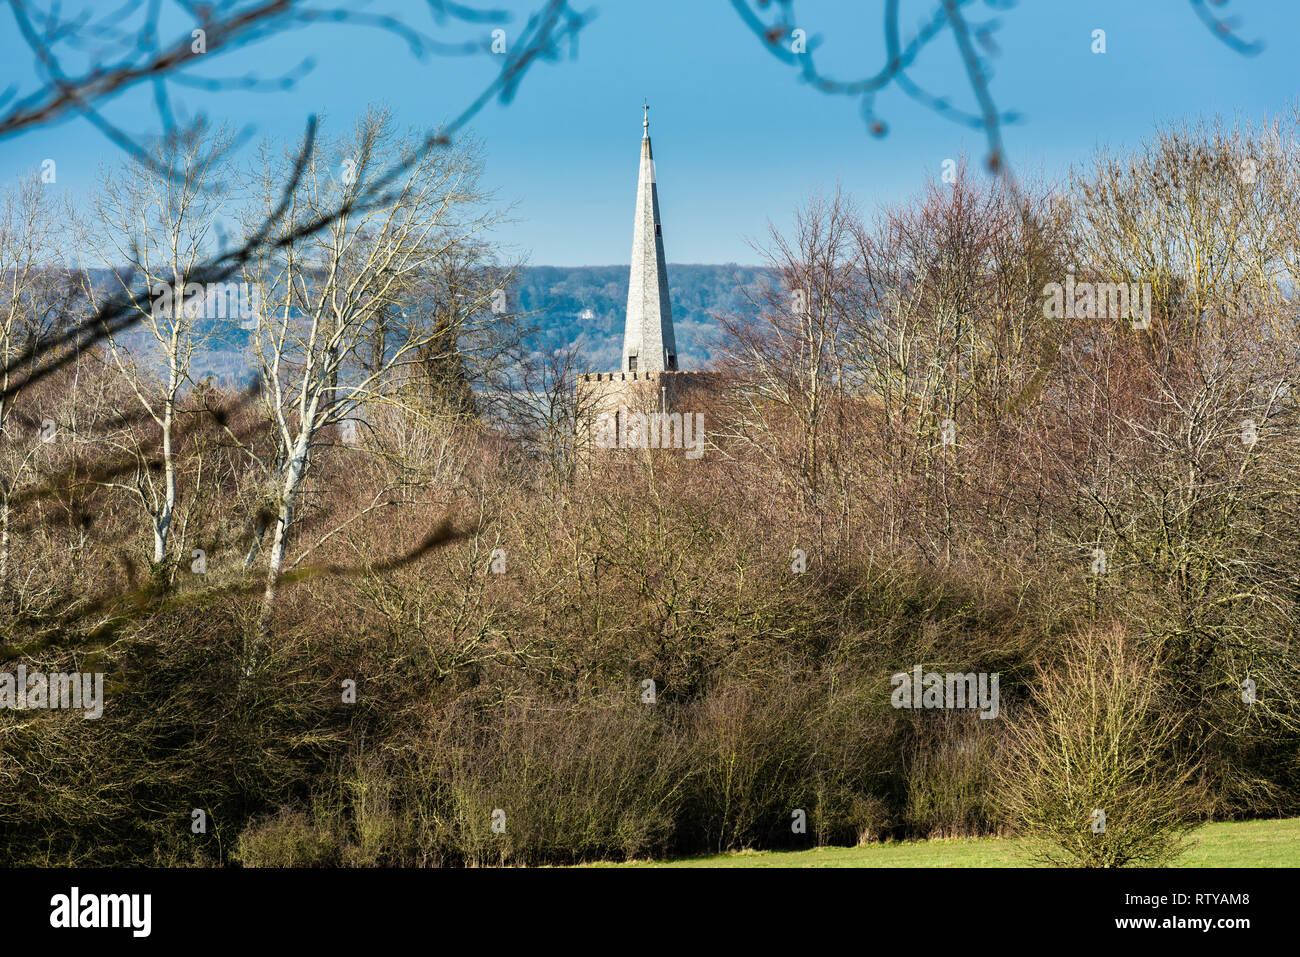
point(1235, 844)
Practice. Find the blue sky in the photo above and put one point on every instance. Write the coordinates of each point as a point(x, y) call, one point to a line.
point(738, 139)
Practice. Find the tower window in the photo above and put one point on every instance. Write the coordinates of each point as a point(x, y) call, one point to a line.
point(658, 230)
point(631, 363)
point(672, 361)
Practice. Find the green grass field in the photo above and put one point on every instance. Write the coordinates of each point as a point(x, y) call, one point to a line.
point(1234, 844)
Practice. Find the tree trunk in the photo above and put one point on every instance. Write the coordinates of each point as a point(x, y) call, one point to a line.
point(275, 564)
point(5, 602)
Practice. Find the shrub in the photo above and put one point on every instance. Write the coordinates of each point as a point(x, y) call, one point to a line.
point(289, 838)
point(1101, 740)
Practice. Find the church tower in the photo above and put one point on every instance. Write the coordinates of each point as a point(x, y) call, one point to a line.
point(648, 341)
point(633, 404)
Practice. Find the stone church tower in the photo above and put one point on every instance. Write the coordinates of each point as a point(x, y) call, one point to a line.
point(649, 381)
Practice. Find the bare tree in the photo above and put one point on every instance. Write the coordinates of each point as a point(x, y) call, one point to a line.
point(1201, 213)
point(155, 227)
point(330, 295)
point(32, 298)
point(548, 409)
point(790, 356)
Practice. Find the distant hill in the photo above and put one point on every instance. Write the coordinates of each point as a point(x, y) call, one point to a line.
point(580, 305)
point(586, 305)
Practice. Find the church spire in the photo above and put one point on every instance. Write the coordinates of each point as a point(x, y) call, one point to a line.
point(648, 341)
